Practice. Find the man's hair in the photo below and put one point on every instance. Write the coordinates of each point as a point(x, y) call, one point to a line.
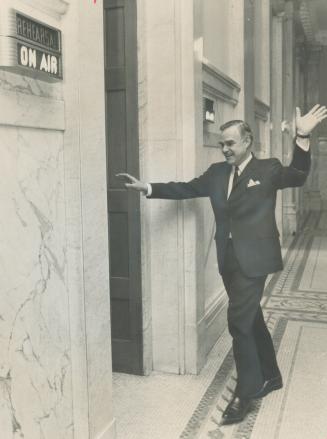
point(244, 128)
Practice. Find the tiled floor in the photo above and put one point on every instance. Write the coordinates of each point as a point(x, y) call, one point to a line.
point(183, 407)
point(159, 406)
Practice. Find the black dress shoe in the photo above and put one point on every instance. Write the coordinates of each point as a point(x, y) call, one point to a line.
point(236, 411)
point(268, 386)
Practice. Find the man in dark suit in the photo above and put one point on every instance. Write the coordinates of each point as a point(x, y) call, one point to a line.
point(242, 191)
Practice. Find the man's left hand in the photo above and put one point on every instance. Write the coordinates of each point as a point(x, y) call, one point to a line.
point(306, 123)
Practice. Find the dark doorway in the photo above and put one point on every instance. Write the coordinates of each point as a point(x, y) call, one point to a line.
point(120, 27)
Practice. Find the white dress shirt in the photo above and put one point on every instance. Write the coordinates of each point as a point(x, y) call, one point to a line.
point(240, 170)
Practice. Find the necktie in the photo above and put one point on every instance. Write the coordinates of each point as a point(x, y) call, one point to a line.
point(235, 178)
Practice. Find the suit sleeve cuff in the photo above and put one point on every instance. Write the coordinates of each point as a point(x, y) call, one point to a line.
point(303, 143)
point(301, 158)
point(149, 191)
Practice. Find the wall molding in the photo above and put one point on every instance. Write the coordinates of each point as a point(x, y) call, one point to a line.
point(30, 111)
point(212, 324)
point(54, 8)
point(215, 308)
point(261, 109)
point(220, 85)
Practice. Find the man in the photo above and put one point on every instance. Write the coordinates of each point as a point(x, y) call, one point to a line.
point(242, 192)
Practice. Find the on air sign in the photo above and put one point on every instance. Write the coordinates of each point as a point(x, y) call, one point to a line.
point(40, 60)
point(31, 47)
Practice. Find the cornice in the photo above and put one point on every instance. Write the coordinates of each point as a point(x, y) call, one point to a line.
point(219, 84)
point(261, 109)
point(54, 8)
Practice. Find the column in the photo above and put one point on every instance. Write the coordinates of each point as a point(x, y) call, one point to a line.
point(168, 152)
point(289, 204)
point(313, 97)
point(322, 132)
point(249, 70)
point(277, 103)
point(300, 99)
point(87, 221)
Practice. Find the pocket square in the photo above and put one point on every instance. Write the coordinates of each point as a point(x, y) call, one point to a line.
point(253, 183)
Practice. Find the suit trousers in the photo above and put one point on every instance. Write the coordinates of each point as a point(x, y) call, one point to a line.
point(253, 349)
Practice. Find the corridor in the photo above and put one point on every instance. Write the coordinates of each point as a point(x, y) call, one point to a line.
point(165, 406)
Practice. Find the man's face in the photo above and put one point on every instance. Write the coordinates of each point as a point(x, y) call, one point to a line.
point(235, 148)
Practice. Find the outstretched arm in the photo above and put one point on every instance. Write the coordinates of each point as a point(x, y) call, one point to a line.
point(197, 187)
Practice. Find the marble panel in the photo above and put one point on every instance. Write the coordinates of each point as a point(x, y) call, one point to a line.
point(31, 111)
point(165, 268)
point(161, 70)
point(224, 19)
point(29, 86)
point(35, 365)
point(215, 15)
point(262, 49)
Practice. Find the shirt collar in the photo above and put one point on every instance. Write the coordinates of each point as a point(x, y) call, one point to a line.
point(242, 166)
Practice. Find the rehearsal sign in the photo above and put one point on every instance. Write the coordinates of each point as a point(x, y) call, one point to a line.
point(33, 48)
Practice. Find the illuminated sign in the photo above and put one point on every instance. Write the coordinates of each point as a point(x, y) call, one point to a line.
point(31, 48)
point(38, 60)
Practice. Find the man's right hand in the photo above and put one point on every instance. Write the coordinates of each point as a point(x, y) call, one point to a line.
point(133, 183)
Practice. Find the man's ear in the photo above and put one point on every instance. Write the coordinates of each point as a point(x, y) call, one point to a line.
point(247, 141)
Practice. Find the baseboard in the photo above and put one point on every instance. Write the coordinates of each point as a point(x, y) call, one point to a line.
point(213, 324)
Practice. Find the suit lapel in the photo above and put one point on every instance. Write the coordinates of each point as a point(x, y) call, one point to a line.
point(220, 181)
point(228, 170)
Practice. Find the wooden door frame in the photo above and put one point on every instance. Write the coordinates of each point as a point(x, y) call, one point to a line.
point(131, 199)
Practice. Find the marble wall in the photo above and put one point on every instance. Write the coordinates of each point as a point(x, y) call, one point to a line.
point(222, 35)
point(87, 221)
point(181, 287)
point(55, 353)
point(160, 112)
point(35, 361)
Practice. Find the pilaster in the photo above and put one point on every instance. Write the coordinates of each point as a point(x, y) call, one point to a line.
point(249, 67)
point(289, 198)
point(277, 103)
point(313, 97)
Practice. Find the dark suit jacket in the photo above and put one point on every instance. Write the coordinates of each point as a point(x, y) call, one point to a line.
point(249, 212)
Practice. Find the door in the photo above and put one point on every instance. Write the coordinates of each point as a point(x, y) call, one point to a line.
point(123, 206)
